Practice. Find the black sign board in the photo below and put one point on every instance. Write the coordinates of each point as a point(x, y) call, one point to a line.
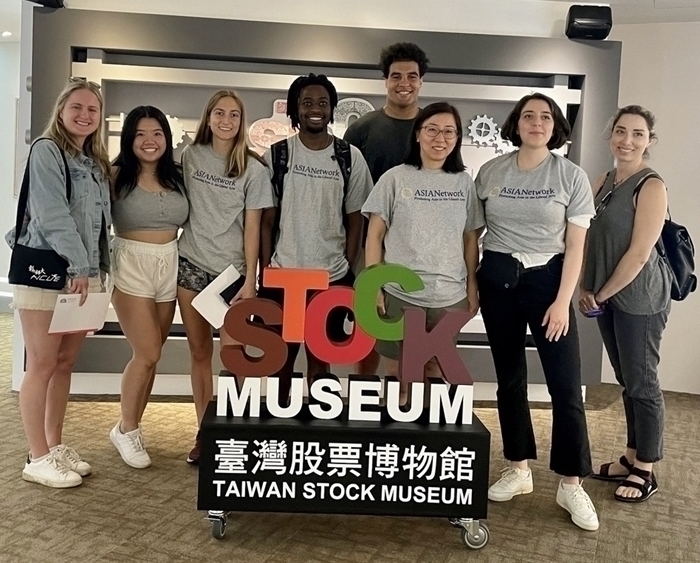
point(338, 466)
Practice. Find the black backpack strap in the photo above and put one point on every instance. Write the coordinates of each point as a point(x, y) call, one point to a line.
point(635, 194)
point(343, 157)
point(279, 153)
point(24, 190)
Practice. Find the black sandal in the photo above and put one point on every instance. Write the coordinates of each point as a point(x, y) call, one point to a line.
point(648, 488)
point(604, 473)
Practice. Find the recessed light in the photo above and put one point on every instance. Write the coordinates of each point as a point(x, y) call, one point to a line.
point(6, 33)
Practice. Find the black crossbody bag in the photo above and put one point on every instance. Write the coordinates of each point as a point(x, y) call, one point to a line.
point(36, 267)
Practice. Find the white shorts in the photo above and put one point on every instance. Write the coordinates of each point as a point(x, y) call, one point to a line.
point(38, 299)
point(143, 269)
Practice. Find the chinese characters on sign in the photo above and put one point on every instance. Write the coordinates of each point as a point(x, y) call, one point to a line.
point(399, 470)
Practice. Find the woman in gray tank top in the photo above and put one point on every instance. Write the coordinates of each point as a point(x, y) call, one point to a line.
point(627, 286)
point(149, 206)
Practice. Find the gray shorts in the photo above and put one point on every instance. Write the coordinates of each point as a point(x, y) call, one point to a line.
point(394, 309)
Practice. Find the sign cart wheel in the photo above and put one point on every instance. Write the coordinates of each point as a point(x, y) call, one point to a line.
point(475, 534)
point(218, 519)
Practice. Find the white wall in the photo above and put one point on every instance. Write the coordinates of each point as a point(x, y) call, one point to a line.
point(9, 91)
point(661, 71)
point(540, 18)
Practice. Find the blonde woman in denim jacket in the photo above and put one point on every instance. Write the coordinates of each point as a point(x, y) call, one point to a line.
point(76, 230)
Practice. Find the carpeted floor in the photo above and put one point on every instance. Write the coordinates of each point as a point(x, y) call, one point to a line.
point(121, 514)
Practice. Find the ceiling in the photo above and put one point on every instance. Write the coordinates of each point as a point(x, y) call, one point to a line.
point(624, 11)
point(648, 11)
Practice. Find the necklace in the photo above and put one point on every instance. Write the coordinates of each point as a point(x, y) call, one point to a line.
point(617, 181)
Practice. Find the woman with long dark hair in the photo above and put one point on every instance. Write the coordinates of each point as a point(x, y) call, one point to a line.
point(76, 229)
point(538, 206)
point(627, 280)
point(148, 206)
point(425, 215)
point(228, 186)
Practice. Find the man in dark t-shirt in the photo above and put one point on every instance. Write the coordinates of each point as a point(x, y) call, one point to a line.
point(383, 136)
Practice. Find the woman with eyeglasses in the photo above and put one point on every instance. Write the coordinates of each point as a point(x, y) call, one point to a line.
point(424, 214)
point(228, 186)
point(148, 206)
point(626, 284)
point(75, 226)
point(538, 206)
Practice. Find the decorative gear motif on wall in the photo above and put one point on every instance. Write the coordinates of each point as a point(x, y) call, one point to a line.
point(177, 129)
point(483, 131)
point(501, 145)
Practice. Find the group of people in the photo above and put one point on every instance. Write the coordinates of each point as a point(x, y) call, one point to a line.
point(404, 197)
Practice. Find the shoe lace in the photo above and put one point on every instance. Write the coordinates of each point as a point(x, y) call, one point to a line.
point(581, 499)
point(70, 454)
point(58, 465)
point(509, 475)
point(136, 441)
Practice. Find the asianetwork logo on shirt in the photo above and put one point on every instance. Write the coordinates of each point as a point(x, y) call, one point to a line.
point(522, 193)
point(439, 195)
point(316, 173)
point(214, 180)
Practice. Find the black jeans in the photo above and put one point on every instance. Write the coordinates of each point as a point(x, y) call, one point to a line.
point(632, 343)
point(507, 312)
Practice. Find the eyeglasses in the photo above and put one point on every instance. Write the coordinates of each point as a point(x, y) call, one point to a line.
point(83, 80)
point(432, 131)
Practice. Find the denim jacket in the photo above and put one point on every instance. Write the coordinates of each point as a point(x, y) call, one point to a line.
point(78, 231)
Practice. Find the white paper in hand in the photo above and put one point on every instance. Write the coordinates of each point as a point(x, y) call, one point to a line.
point(209, 303)
point(69, 316)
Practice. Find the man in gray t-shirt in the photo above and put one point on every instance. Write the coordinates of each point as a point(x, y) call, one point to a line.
point(318, 218)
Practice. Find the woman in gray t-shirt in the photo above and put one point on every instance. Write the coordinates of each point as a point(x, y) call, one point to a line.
point(537, 206)
point(228, 186)
point(425, 215)
point(626, 284)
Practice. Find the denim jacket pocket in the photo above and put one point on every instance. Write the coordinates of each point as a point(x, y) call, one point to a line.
point(80, 183)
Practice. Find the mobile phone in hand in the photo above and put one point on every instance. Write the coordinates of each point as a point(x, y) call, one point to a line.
point(595, 313)
point(230, 292)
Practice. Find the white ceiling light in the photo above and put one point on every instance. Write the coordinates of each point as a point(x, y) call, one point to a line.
point(6, 33)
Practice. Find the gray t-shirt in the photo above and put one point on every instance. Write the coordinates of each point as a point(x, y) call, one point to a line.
point(212, 238)
point(311, 232)
point(426, 213)
point(527, 211)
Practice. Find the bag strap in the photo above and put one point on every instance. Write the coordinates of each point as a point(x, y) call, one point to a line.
point(24, 191)
point(279, 153)
point(343, 157)
point(635, 194)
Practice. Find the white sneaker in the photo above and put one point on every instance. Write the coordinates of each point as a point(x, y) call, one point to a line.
point(513, 482)
point(51, 472)
point(130, 447)
point(576, 502)
point(71, 458)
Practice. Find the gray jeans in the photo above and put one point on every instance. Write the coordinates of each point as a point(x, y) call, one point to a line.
point(632, 343)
